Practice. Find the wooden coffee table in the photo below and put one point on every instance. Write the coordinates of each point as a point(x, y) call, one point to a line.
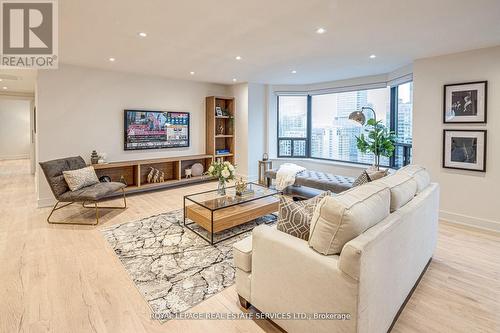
point(216, 213)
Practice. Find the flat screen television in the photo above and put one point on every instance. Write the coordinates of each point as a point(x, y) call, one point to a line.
point(156, 129)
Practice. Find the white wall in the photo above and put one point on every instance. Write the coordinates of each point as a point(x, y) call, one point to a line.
point(80, 109)
point(466, 196)
point(240, 93)
point(14, 129)
point(251, 127)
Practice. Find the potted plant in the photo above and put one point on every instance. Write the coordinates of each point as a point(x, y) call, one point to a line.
point(378, 140)
point(224, 172)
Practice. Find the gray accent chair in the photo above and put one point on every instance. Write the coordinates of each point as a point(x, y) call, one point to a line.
point(94, 194)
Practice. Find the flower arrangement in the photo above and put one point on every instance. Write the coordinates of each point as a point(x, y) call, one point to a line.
point(224, 172)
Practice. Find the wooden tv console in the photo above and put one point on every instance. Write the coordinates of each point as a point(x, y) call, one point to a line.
point(136, 172)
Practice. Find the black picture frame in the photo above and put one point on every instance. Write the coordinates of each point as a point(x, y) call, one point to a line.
point(161, 147)
point(446, 107)
point(484, 153)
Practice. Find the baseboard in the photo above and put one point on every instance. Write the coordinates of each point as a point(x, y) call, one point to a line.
point(45, 202)
point(470, 221)
point(14, 157)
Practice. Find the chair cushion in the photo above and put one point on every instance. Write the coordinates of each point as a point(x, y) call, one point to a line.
point(242, 252)
point(403, 188)
point(420, 174)
point(92, 193)
point(295, 216)
point(341, 218)
point(53, 171)
point(80, 178)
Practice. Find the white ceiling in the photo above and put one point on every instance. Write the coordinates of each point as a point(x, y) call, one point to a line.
point(17, 80)
point(273, 37)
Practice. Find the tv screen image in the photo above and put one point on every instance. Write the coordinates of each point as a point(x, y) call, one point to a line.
point(156, 129)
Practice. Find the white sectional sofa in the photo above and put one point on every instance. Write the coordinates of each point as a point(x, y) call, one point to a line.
point(368, 281)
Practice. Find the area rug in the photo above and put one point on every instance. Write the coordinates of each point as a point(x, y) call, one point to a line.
point(173, 268)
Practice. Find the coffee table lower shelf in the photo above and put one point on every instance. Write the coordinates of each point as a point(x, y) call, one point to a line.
point(214, 221)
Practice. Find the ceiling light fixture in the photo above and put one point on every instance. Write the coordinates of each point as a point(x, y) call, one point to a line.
point(320, 31)
point(237, 58)
point(142, 34)
point(1, 80)
point(192, 73)
point(4, 88)
point(112, 59)
point(234, 80)
point(294, 72)
point(373, 56)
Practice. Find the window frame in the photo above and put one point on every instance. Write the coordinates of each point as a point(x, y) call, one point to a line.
point(393, 120)
point(293, 139)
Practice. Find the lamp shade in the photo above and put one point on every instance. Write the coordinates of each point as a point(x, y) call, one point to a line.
point(358, 117)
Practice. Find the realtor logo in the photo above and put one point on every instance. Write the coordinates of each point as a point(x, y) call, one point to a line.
point(29, 33)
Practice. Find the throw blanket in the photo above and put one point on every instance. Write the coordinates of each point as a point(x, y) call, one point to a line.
point(286, 175)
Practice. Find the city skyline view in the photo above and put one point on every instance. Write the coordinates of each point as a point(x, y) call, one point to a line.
point(333, 135)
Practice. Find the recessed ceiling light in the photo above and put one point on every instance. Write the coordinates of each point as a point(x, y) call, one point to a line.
point(142, 34)
point(112, 59)
point(192, 73)
point(320, 31)
point(4, 88)
point(373, 56)
point(1, 80)
point(237, 58)
point(234, 80)
point(294, 72)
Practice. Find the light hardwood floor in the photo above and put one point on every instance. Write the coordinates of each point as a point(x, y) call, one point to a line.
point(57, 278)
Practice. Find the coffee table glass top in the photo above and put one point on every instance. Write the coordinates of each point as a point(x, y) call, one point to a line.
point(213, 201)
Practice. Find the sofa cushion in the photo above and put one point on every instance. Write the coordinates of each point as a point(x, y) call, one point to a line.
point(295, 216)
point(242, 252)
point(80, 178)
point(420, 174)
point(403, 188)
point(338, 219)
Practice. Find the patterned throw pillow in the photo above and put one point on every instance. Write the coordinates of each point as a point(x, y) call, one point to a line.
point(77, 179)
point(363, 178)
point(295, 216)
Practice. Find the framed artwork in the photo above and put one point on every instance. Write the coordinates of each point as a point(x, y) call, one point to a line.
point(218, 111)
point(465, 102)
point(464, 149)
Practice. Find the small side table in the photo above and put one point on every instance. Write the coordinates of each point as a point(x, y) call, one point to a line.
point(264, 166)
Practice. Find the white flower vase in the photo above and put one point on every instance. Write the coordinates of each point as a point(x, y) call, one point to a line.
point(221, 188)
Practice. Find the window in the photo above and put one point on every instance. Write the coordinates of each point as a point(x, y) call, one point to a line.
point(403, 123)
point(318, 126)
point(333, 135)
point(292, 126)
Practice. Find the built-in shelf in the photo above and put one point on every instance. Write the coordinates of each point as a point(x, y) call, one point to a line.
point(135, 173)
point(220, 132)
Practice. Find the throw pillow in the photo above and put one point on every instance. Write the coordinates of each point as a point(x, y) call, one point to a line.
point(295, 216)
point(77, 179)
point(339, 219)
point(376, 174)
point(363, 178)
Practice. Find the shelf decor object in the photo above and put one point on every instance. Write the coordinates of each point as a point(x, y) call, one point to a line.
point(220, 134)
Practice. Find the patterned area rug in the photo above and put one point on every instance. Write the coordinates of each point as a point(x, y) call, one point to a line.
point(173, 268)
